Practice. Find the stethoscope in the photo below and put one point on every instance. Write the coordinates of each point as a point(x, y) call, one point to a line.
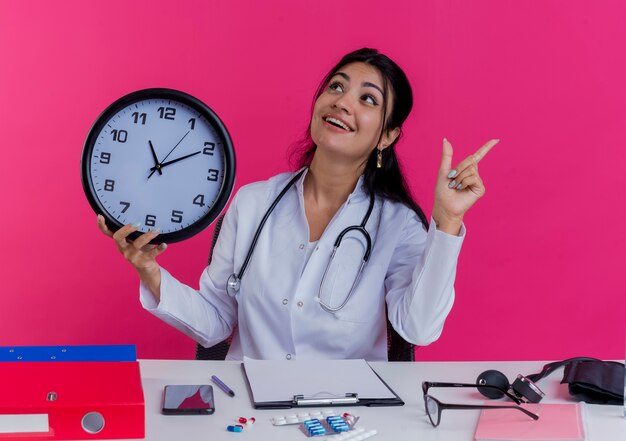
point(234, 281)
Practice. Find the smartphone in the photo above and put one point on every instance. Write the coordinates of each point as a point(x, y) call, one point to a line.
point(188, 399)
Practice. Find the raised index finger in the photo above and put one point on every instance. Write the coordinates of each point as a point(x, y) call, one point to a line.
point(481, 152)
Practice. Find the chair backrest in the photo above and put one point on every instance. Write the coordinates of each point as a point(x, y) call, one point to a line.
point(398, 349)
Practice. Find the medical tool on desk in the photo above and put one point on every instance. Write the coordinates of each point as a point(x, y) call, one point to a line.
point(234, 281)
point(590, 380)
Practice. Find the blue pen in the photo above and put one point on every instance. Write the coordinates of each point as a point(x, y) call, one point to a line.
point(222, 386)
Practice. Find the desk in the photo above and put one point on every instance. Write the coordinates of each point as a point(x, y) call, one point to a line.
point(408, 422)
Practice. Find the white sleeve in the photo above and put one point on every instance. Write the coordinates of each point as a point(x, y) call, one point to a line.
point(210, 314)
point(420, 281)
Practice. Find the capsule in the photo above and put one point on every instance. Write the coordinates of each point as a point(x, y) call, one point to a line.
point(234, 428)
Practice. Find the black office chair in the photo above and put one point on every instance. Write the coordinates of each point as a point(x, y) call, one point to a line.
point(398, 349)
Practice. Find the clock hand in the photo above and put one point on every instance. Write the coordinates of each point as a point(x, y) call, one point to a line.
point(181, 140)
point(156, 160)
point(166, 156)
point(163, 164)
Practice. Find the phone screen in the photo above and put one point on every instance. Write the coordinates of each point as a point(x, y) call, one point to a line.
point(188, 399)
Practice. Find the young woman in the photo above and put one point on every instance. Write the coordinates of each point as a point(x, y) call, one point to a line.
point(342, 240)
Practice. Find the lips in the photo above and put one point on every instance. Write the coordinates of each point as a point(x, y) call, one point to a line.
point(337, 122)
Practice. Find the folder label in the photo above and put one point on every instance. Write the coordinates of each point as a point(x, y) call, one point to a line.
point(25, 423)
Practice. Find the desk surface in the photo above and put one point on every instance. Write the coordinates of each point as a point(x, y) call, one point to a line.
point(409, 422)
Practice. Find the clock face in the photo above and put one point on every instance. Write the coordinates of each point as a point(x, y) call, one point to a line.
point(161, 158)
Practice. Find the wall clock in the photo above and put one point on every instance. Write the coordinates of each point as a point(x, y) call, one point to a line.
point(159, 157)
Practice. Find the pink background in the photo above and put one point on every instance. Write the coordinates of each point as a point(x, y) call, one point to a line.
point(541, 274)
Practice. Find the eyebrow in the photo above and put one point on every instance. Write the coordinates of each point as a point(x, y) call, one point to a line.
point(364, 84)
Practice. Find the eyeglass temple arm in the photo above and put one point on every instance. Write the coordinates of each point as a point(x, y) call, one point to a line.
point(478, 406)
point(435, 384)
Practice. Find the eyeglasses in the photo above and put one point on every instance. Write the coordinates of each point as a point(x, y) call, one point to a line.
point(434, 407)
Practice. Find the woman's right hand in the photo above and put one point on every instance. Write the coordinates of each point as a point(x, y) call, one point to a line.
point(140, 253)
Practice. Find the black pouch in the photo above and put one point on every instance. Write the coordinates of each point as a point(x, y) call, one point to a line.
point(595, 381)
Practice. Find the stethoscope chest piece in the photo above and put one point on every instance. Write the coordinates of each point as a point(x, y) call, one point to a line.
point(232, 285)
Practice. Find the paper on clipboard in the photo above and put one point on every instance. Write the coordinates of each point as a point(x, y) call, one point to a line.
point(277, 380)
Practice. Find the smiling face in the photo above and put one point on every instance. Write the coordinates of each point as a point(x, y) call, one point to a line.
point(348, 115)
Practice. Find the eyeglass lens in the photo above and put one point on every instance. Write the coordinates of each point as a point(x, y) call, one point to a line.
point(432, 409)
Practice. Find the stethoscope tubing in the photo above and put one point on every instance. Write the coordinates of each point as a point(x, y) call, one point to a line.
point(234, 281)
point(263, 221)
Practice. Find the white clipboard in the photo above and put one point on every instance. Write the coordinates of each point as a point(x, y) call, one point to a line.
point(277, 384)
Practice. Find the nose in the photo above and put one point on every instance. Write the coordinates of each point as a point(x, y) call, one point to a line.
point(343, 103)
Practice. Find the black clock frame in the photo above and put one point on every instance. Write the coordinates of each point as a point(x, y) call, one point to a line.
point(225, 190)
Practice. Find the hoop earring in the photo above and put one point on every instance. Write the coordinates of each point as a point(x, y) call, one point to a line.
point(379, 159)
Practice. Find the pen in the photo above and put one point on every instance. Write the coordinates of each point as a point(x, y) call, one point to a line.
point(222, 386)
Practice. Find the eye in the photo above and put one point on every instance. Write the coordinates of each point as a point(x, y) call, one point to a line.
point(336, 86)
point(370, 99)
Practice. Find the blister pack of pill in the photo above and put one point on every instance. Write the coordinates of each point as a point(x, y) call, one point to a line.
point(331, 425)
point(301, 417)
point(353, 435)
point(325, 422)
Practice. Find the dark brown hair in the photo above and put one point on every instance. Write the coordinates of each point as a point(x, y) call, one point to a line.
point(388, 181)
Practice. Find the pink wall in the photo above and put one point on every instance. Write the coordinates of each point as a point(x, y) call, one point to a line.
point(541, 274)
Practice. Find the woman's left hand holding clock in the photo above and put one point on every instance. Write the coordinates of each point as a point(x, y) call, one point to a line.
point(140, 253)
